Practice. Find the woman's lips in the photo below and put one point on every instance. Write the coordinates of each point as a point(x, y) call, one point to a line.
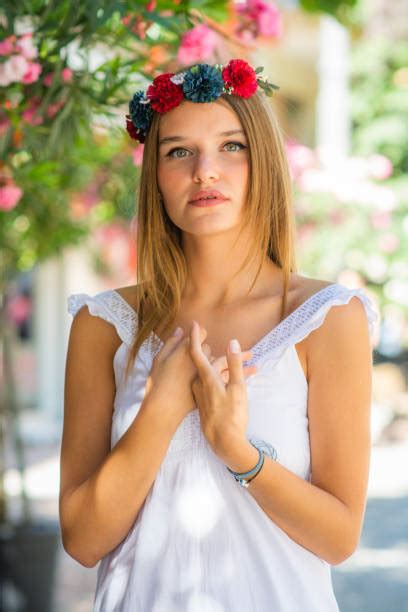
point(208, 202)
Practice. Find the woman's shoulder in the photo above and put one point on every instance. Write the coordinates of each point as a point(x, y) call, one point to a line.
point(115, 307)
point(131, 294)
point(335, 311)
point(305, 287)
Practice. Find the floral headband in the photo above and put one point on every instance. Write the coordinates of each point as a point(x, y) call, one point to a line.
point(200, 83)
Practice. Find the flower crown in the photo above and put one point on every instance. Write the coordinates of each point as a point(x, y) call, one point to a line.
point(200, 83)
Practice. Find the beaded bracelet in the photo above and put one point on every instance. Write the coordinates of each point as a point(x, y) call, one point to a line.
point(264, 448)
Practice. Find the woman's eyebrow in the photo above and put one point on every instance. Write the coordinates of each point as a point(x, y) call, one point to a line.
point(179, 138)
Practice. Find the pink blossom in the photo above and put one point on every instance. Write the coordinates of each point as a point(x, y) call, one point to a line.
point(19, 309)
point(66, 75)
point(4, 125)
point(379, 167)
point(137, 155)
point(300, 157)
point(52, 109)
point(7, 45)
point(26, 47)
point(245, 36)
point(32, 74)
point(151, 5)
point(268, 18)
point(30, 115)
point(197, 44)
point(381, 219)
point(13, 70)
point(6, 76)
point(388, 243)
point(48, 79)
point(266, 15)
point(9, 196)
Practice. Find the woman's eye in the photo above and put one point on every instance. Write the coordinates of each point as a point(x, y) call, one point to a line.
point(239, 144)
point(174, 152)
point(170, 153)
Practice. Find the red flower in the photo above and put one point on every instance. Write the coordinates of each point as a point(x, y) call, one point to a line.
point(239, 75)
point(134, 132)
point(163, 94)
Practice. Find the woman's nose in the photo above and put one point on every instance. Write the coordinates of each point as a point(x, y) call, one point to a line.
point(205, 168)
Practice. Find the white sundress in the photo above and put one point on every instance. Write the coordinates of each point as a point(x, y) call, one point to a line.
point(201, 542)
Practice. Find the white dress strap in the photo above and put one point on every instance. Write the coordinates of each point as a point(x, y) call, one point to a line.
point(309, 316)
point(110, 306)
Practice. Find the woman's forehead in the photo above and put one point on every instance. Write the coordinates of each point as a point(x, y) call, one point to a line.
point(190, 116)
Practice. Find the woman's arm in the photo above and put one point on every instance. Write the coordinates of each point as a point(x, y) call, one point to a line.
point(326, 514)
point(102, 490)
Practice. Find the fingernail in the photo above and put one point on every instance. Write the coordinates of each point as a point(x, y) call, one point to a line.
point(177, 331)
point(234, 346)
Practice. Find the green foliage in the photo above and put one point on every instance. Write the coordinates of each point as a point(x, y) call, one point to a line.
point(379, 100)
point(342, 10)
point(367, 233)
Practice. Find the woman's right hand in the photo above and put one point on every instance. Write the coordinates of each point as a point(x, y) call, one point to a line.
point(171, 376)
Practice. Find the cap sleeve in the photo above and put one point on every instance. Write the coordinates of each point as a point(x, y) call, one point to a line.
point(308, 317)
point(342, 296)
point(107, 308)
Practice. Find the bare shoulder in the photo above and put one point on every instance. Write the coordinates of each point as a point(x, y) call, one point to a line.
point(130, 293)
point(304, 287)
point(89, 331)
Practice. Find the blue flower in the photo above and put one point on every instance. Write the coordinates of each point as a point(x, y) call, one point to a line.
point(141, 114)
point(202, 83)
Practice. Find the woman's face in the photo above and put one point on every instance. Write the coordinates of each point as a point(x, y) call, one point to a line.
point(202, 147)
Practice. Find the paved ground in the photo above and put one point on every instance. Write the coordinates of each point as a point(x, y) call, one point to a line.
point(374, 579)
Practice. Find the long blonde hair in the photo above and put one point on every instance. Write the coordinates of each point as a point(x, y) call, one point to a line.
point(161, 264)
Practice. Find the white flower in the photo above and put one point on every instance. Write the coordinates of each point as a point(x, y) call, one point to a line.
point(26, 47)
point(178, 79)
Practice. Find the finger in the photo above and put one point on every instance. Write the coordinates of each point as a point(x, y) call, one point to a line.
point(170, 343)
point(248, 371)
point(204, 367)
point(234, 359)
point(207, 351)
point(221, 363)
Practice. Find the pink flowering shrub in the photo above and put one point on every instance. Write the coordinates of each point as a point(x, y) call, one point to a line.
point(31, 114)
point(9, 196)
point(197, 45)
point(7, 45)
point(32, 73)
point(137, 155)
point(261, 18)
point(26, 47)
point(19, 68)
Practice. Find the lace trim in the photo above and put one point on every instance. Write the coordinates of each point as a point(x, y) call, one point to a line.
point(112, 307)
point(306, 318)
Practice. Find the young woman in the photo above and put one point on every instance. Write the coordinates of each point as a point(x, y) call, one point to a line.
point(209, 475)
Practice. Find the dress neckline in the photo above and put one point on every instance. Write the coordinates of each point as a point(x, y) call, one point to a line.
point(266, 337)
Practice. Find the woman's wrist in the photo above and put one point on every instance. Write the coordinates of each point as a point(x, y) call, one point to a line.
point(243, 457)
point(165, 418)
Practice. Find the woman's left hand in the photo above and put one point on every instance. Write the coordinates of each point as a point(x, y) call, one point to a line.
point(223, 406)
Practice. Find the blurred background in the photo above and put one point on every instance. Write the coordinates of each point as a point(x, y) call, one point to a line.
point(68, 175)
